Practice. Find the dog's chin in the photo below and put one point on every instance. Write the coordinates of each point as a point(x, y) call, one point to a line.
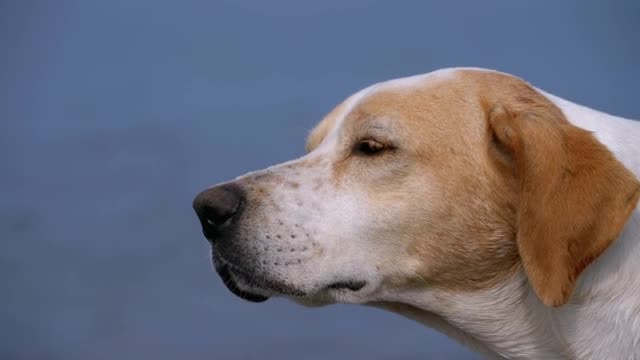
point(237, 286)
point(257, 288)
point(252, 286)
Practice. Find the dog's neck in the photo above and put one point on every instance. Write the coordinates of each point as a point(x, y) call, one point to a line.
point(508, 321)
point(601, 320)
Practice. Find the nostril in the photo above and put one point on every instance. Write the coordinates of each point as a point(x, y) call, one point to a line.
point(218, 216)
point(216, 207)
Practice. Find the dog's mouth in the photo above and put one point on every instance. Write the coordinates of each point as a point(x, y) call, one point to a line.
point(230, 279)
point(256, 288)
point(351, 285)
point(250, 285)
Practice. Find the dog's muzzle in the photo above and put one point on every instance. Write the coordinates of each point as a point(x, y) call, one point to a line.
point(218, 210)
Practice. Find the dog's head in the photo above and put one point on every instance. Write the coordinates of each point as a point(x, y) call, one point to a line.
point(452, 180)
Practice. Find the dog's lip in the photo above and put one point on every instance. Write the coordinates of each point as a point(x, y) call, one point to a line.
point(352, 285)
point(232, 274)
point(225, 273)
point(260, 289)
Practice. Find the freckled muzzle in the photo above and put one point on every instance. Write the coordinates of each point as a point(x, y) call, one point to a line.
point(247, 258)
point(265, 235)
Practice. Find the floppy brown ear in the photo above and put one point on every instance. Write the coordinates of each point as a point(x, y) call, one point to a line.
point(574, 196)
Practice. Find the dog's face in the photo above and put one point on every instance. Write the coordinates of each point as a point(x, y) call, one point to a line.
point(407, 186)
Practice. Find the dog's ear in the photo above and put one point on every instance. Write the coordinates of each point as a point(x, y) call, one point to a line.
point(573, 195)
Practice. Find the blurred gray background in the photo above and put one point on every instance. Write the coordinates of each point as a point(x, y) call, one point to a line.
point(114, 114)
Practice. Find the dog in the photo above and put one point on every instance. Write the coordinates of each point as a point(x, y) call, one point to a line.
point(466, 199)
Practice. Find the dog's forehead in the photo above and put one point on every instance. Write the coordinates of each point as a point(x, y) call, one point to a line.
point(418, 81)
point(380, 98)
point(385, 95)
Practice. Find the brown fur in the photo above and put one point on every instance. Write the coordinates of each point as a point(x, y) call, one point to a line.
point(515, 182)
point(574, 195)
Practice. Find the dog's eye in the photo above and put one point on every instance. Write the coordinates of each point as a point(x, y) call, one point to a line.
point(370, 147)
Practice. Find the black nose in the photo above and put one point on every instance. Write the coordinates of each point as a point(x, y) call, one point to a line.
point(217, 206)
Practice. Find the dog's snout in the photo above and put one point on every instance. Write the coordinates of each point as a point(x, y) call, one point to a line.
point(216, 207)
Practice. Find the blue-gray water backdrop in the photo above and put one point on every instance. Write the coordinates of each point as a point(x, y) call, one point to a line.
point(113, 114)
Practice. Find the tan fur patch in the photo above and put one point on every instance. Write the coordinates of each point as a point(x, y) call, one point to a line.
point(574, 196)
point(465, 241)
point(466, 238)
